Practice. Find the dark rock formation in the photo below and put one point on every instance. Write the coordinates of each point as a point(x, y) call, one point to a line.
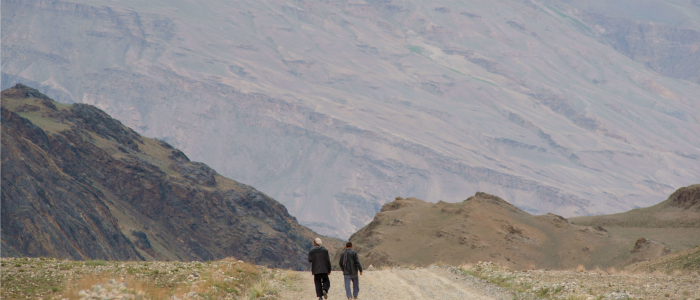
point(78, 184)
point(686, 197)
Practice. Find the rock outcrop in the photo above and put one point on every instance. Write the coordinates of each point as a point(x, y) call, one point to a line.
point(78, 184)
point(687, 198)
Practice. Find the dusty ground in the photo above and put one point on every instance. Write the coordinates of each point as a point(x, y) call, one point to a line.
point(590, 284)
point(488, 281)
point(402, 283)
point(230, 279)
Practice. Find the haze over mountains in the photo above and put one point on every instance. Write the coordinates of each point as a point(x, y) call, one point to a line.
point(336, 107)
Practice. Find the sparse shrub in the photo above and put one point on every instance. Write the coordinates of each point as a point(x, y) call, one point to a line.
point(227, 288)
point(543, 292)
point(260, 289)
point(289, 277)
point(558, 289)
point(94, 263)
point(576, 297)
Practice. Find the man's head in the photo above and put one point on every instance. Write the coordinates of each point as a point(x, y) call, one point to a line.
point(318, 242)
point(348, 245)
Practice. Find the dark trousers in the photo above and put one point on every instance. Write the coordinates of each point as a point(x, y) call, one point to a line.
point(322, 284)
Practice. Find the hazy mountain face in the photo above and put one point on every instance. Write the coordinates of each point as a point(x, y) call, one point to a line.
point(336, 107)
point(662, 35)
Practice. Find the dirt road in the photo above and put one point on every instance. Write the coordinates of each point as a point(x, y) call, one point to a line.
point(393, 284)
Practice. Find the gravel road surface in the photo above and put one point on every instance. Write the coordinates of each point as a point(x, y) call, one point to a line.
point(403, 283)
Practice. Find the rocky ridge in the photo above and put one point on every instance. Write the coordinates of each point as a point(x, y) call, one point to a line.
point(78, 184)
point(487, 228)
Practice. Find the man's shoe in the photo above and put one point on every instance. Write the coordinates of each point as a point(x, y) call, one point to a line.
point(325, 294)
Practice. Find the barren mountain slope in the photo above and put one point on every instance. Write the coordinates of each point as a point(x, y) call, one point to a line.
point(661, 34)
point(675, 221)
point(334, 107)
point(78, 184)
point(487, 228)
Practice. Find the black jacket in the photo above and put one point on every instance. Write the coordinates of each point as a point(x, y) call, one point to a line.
point(349, 262)
point(320, 261)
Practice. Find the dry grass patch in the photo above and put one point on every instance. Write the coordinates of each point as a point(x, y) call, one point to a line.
point(57, 279)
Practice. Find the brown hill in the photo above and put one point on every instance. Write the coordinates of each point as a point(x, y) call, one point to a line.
point(674, 222)
point(680, 210)
point(487, 228)
point(78, 184)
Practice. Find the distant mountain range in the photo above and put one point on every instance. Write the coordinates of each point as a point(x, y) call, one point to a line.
point(77, 184)
point(336, 107)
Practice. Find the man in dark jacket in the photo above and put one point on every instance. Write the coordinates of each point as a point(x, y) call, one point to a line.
point(350, 264)
point(321, 268)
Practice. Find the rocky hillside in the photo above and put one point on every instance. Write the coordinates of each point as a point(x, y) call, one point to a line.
point(674, 222)
point(335, 107)
point(78, 184)
point(680, 210)
point(487, 228)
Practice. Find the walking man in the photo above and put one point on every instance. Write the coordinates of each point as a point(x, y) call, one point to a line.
point(321, 268)
point(350, 264)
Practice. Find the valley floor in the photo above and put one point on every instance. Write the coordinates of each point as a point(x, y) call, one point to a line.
point(401, 283)
point(47, 278)
point(488, 281)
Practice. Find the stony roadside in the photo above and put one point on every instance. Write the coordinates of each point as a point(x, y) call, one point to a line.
point(47, 278)
point(582, 284)
point(41, 278)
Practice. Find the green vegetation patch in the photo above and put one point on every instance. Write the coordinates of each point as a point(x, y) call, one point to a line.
point(484, 81)
point(415, 49)
point(690, 262)
point(94, 263)
point(570, 19)
point(458, 72)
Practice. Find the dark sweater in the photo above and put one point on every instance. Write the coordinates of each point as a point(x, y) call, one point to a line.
point(350, 262)
point(320, 261)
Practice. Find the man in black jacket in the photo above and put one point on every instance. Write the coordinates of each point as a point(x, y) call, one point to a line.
point(321, 268)
point(350, 264)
